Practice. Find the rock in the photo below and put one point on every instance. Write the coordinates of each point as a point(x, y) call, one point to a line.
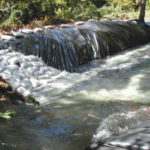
point(49, 27)
point(17, 34)
point(38, 73)
point(38, 30)
point(27, 31)
point(136, 138)
point(44, 81)
point(148, 23)
point(16, 74)
point(37, 64)
point(66, 26)
point(90, 20)
point(79, 23)
point(7, 94)
point(44, 76)
point(25, 83)
point(3, 52)
point(15, 83)
point(6, 74)
point(8, 37)
point(35, 82)
point(26, 64)
point(32, 58)
point(14, 61)
point(7, 57)
point(12, 68)
point(32, 69)
point(2, 67)
point(23, 91)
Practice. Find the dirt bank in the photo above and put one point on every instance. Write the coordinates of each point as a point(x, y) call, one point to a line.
point(7, 95)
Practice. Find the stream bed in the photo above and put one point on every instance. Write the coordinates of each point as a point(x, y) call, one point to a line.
point(76, 104)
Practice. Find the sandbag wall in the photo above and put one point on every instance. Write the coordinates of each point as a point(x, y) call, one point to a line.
point(70, 46)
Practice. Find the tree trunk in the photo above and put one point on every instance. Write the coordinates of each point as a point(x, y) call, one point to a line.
point(142, 11)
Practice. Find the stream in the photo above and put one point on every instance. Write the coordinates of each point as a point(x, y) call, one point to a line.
point(76, 104)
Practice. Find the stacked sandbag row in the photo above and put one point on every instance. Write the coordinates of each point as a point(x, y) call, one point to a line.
point(70, 46)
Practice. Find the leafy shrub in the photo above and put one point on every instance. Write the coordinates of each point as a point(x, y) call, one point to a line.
point(22, 12)
point(81, 10)
point(99, 3)
point(88, 12)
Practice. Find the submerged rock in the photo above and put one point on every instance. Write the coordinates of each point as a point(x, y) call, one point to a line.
point(135, 138)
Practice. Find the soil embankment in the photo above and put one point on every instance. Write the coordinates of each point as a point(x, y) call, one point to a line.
point(7, 95)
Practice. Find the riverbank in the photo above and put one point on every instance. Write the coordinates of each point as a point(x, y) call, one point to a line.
point(7, 95)
point(18, 14)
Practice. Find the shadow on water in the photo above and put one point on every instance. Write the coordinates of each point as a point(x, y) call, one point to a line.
point(57, 126)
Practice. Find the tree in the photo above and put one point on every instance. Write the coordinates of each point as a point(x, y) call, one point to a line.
point(142, 11)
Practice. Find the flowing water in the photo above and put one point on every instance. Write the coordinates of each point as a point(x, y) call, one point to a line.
point(76, 104)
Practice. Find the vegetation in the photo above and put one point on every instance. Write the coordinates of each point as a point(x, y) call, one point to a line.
point(8, 114)
point(16, 13)
point(31, 100)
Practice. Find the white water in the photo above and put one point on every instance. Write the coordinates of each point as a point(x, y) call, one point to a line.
point(124, 77)
point(73, 105)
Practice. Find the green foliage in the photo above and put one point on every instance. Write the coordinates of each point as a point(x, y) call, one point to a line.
point(78, 10)
point(22, 12)
point(119, 9)
point(8, 114)
point(30, 99)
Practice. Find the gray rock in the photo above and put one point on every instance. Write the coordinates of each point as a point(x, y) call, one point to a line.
point(38, 30)
point(15, 83)
point(17, 34)
point(32, 69)
point(6, 74)
point(136, 138)
point(79, 23)
point(3, 52)
point(66, 26)
point(8, 37)
point(37, 64)
point(23, 91)
point(35, 82)
point(2, 67)
point(49, 27)
point(14, 60)
point(32, 58)
point(44, 76)
point(27, 31)
point(26, 64)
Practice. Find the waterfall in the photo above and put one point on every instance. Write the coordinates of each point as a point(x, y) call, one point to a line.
point(68, 47)
point(106, 92)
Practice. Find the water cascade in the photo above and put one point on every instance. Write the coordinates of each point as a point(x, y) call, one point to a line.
point(102, 95)
point(68, 47)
